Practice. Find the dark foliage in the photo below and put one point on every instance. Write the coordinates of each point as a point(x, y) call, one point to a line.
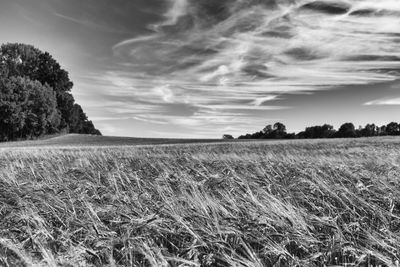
point(276, 131)
point(33, 83)
point(369, 130)
point(393, 128)
point(27, 109)
point(227, 136)
point(347, 130)
point(324, 131)
point(80, 123)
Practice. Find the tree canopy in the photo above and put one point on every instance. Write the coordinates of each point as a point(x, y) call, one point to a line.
point(27, 109)
point(35, 96)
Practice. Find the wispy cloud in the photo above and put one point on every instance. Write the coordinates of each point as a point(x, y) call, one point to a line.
point(178, 8)
point(235, 58)
point(381, 102)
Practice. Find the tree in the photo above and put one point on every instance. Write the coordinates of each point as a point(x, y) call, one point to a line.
point(20, 60)
point(227, 137)
point(27, 109)
point(324, 131)
point(28, 61)
point(247, 136)
point(279, 131)
point(393, 128)
point(369, 130)
point(382, 130)
point(346, 130)
point(80, 122)
point(268, 129)
point(327, 131)
point(280, 127)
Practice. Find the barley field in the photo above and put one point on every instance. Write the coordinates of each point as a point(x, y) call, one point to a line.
point(281, 203)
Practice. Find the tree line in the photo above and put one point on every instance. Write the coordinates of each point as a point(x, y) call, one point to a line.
point(346, 130)
point(35, 96)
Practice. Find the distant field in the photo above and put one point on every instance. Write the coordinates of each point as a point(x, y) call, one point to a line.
point(93, 140)
point(78, 201)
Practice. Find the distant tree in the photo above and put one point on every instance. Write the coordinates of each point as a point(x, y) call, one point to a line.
point(393, 128)
point(268, 129)
point(258, 135)
point(324, 131)
point(290, 136)
point(227, 137)
point(247, 136)
point(369, 130)
point(301, 135)
point(346, 130)
point(382, 130)
point(279, 131)
point(327, 131)
point(280, 127)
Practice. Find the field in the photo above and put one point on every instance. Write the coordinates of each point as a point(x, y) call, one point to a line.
point(94, 140)
point(281, 203)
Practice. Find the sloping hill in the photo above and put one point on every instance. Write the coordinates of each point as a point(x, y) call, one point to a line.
point(96, 140)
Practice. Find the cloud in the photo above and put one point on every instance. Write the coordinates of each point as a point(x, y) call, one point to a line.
point(231, 57)
point(262, 100)
point(252, 43)
point(164, 92)
point(381, 102)
point(178, 9)
point(132, 41)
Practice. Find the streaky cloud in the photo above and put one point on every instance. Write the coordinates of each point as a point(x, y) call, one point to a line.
point(384, 102)
point(226, 56)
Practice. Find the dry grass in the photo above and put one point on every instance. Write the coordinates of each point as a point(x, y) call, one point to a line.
point(293, 203)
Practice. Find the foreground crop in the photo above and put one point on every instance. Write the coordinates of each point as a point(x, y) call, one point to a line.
point(242, 204)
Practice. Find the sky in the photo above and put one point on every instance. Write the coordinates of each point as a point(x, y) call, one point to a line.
point(204, 68)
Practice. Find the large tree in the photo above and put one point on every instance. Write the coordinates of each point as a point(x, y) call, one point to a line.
point(27, 109)
point(20, 60)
